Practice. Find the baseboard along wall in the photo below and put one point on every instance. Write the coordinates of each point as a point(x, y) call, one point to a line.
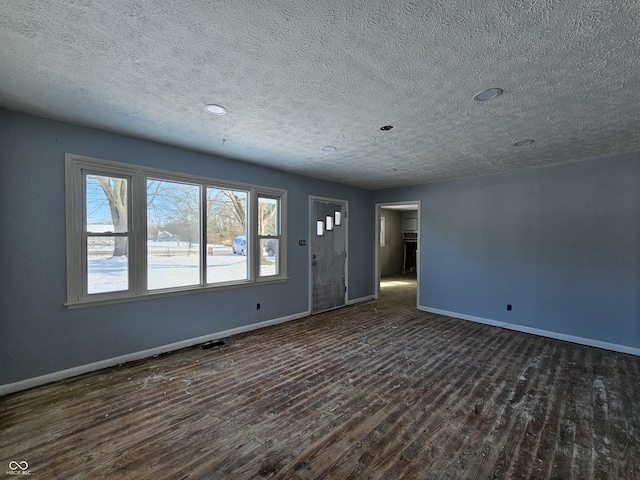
point(111, 362)
point(361, 299)
point(536, 331)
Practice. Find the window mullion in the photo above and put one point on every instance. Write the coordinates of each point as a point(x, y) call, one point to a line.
point(252, 236)
point(84, 262)
point(203, 235)
point(84, 237)
point(138, 248)
point(282, 229)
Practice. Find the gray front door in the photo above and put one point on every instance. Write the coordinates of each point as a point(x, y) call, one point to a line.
point(328, 247)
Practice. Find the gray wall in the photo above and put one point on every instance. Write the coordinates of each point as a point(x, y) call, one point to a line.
point(39, 335)
point(391, 255)
point(560, 243)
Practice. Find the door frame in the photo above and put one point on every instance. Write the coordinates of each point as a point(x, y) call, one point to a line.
point(312, 231)
point(376, 236)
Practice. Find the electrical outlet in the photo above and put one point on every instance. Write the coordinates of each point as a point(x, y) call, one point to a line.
point(509, 306)
point(258, 306)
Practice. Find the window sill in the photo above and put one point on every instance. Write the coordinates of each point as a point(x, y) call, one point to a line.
point(170, 293)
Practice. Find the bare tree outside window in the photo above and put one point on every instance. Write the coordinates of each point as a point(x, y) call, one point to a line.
point(108, 194)
point(226, 220)
point(107, 233)
point(174, 208)
point(173, 229)
point(267, 216)
point(226, 215)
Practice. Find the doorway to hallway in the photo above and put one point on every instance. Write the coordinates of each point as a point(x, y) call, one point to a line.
point(397, 250)
point(399, 289)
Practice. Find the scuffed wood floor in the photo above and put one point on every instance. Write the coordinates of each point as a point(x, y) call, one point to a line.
point(375, 390)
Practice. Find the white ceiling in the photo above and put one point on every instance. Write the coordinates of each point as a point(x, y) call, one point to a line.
point(299, 75)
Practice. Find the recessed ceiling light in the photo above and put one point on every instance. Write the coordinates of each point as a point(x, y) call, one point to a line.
point(329, 148)
point(488, 94)
point(522, 143)
point(215, 109)
point(386, 127)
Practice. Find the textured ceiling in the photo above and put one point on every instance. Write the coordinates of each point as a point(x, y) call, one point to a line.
point(298, 75)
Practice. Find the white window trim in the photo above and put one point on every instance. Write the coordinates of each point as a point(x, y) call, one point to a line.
point(280, 229)
point(77, 297)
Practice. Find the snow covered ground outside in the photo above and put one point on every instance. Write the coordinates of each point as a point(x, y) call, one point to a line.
point(168, 266)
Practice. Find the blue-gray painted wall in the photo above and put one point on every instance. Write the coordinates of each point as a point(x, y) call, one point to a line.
point(38, 335)
point(559, 243)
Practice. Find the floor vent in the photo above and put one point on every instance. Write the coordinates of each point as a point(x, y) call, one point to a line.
point(215, 343)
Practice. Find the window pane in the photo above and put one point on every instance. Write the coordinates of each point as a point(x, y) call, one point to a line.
point(107, 264)
point(106, 204)
point(173, 234)
point(268, 221)
point(226, 235)
point(270, 254)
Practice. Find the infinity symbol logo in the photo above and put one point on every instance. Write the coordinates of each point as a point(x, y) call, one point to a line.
point(13, 465)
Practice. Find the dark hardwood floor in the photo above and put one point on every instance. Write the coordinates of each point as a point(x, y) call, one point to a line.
point(374, 390)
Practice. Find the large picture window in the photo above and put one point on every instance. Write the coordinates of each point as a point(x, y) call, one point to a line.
point(136, 232)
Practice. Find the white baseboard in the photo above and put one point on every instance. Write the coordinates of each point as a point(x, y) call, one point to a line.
point(462, 316)
point(110, 362)
point(359, 300)
point(536, 331)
